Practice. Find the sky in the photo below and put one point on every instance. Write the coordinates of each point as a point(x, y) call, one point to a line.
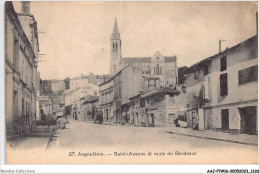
point(75, 36)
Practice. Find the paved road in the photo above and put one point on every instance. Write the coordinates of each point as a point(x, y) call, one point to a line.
point(91, 137)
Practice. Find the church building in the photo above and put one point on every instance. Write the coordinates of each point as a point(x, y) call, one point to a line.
point(157, 66)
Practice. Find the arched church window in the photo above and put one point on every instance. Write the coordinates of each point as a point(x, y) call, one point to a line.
point(116, 47)
point(113, 47)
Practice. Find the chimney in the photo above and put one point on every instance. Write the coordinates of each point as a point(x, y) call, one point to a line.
point(219, 43)
point(25, 7)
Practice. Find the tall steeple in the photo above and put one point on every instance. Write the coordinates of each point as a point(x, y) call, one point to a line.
point(115, 34)
point(115, 50)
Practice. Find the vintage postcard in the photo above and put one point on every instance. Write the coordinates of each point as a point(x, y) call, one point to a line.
point(131, 82)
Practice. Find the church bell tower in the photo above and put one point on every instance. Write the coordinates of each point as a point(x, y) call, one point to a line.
point(115, 50)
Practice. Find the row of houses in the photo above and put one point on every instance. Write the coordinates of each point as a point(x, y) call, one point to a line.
point(218, 93)
point(22, 81)
point(83, 91)
point(117, 90)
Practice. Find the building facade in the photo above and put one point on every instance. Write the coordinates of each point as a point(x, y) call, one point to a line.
point(21, 56)
point(88, 107)
point(235, 71)
point(57, 85)
point(116, 92)
point(222, 90)
point(80, 88)
point(127, 83)
point(106, 93)
point(153, 108)
point(72, 96)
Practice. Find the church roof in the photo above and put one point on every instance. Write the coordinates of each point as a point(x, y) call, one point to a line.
point(170, 59)
point(128, 60)
point(115, 34)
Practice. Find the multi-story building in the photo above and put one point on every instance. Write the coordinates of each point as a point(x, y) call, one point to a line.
point(106, 99)
point(163, 67)
point(72, 96)
point(57, 85)
point(78, 82)
point(222, 90)
point(153, 108)
point(21, 56)
point(88, 107)
point(151, 83)
point(127, 83)
point(116, 92)
point(79, 88)
point(89, 89)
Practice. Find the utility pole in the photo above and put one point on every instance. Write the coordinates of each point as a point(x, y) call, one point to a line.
point(220, 44)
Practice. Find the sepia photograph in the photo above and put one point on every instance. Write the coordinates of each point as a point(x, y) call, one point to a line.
point(131, 82)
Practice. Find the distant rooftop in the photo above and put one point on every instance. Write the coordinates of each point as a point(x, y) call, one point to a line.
point(170, 59)
point(129, 60)
point(136, 59)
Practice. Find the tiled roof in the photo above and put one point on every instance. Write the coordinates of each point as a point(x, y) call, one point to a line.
point(129, 60)
point(205, 61)
point(160, 91)
point(136, 59)
point(170, 59)
point(111, 78)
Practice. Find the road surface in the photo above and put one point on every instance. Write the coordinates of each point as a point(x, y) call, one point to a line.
point(118, 140)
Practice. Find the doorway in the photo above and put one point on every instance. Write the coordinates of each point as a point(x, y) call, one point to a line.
point(248, 120)
point(224, 119)
point(194, 120)
point(15, 104)
point(15, 112)
point(152, 119)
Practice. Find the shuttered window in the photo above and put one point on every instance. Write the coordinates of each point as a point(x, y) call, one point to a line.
point(223, 84)
point(248, 75)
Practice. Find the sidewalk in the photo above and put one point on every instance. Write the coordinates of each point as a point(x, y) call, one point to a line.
point(113, 124)
point(23, 142)
point(39, 138)
point(214, 135)
point(206, 134)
